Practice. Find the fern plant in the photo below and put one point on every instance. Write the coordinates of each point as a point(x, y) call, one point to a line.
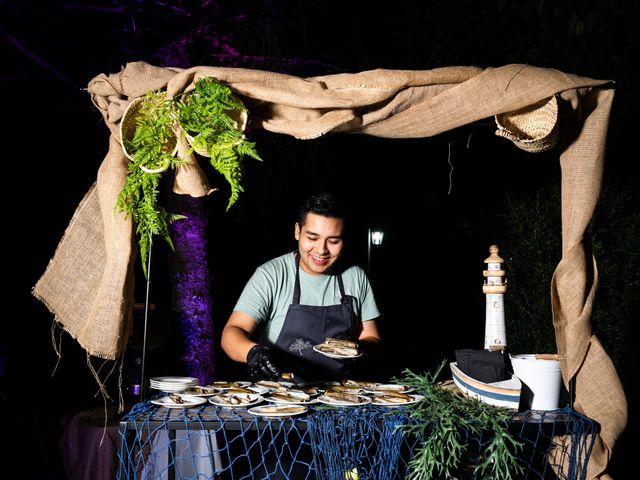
point(213, 118)
point(151, 152)
point(207, 115)
point(441, 419)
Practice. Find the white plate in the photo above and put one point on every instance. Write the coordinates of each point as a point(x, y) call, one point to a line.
point(227, 385)
point(259, 389)
point(333, 355)
point(279, 401)
point(343, 403)
point(191, 393)
point(252, 399)
point(414, 399)
point(381, 387)
point(183, 380)
point(188, 402)
point(173, 384)
point(265, 410)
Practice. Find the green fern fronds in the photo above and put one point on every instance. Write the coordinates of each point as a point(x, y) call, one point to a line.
point(205, 113)
point(151, 148)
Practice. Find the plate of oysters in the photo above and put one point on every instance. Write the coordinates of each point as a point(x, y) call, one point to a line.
point(178, 401)
point(343, 399)
point(291, 396)
point(200, 391)
point(391, 398)
point(338, 348)
point(277, 410)
point(235, 400)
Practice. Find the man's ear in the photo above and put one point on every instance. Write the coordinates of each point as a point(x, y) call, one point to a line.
point(297, 231)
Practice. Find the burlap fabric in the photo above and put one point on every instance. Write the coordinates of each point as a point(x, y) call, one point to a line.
point(87, 284)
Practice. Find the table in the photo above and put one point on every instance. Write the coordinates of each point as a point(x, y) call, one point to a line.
point(210, 442)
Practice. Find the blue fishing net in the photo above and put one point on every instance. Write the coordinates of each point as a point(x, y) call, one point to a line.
point(361, 442)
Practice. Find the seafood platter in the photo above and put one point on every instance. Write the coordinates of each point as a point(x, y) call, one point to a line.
point(283, 398)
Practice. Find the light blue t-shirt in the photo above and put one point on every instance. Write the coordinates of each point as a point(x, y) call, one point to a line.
point(269, 292)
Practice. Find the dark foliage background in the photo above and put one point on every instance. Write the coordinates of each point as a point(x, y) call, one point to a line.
point(430, 195)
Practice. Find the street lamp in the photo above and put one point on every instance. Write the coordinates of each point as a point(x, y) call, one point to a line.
point(375, 238)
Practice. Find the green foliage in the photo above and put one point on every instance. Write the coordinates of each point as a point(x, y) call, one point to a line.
point(531, 250)
point(152, 149)
point(615, 236)
point(204, 113)
point(442, 417)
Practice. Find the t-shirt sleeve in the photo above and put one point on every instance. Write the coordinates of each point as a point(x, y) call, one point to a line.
point(256, 297)
point(368, 306)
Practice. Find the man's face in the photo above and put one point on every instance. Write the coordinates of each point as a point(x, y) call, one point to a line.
point(320, 243)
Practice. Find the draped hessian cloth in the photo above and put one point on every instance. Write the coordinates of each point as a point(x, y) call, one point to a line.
point(88, 284)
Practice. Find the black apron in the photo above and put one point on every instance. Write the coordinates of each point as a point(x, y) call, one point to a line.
point(308, 325)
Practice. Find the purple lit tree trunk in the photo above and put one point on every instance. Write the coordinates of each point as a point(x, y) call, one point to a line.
point(191, 286)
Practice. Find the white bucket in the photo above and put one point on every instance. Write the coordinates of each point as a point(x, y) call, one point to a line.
point(541, 379)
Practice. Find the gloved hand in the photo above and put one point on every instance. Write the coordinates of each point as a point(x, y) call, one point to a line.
point(262, 364)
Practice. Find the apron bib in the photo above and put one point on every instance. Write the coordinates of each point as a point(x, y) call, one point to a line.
point(308, 325)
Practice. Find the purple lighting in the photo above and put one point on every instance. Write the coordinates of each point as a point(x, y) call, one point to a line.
point(192, 286)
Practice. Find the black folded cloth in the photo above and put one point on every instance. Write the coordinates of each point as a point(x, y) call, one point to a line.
point(484, 365)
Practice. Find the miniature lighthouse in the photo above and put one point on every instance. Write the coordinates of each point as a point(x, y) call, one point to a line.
point(494, 287)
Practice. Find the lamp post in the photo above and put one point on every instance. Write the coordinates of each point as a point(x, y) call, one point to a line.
point(375, 237)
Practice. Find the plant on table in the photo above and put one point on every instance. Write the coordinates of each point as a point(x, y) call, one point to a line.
point(441, 419)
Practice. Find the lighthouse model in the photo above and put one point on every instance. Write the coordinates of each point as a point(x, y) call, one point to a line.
point(494, 287)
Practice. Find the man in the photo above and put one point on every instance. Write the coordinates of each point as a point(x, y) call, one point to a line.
point(301, 298)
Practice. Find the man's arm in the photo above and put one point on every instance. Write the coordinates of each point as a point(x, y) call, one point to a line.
point(369, 337)
point(235, 336)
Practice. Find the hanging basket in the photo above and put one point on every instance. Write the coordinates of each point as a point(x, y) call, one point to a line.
point(240, 119)
point(533, 128)
point(128, 125)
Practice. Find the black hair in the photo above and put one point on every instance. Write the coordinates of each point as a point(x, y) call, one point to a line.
point(326, 204)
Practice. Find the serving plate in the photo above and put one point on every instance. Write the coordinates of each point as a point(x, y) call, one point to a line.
point(277, 410)
point(189, 401)
point(379, 400)
point(334, 355)
point(363, 400)
point(393, 387)
point(243, 399)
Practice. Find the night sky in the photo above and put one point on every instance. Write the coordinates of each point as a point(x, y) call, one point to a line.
point(429, 195)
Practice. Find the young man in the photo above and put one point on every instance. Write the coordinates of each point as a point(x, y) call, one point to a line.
point(301, 298)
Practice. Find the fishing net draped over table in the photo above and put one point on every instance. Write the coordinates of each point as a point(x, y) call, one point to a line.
point(209, 442)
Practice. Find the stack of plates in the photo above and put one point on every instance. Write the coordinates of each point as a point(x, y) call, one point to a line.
point(173, 384)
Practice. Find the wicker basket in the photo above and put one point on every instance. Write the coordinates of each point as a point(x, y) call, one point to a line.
point(533, 128)
point(128, 126)
point(240, 118)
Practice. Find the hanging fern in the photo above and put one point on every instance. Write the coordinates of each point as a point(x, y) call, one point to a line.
point(207, 115)
point(213, 118)
point(151, 150)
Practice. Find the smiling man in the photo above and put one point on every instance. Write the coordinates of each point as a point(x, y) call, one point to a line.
point(300, 299)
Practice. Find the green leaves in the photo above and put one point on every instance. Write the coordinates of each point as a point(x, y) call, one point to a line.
point(214, 120)
point(442, 419)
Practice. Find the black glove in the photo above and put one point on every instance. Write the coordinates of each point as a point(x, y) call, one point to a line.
point(261, 364)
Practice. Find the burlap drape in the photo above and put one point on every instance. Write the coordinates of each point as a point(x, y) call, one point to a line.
point(88, 283)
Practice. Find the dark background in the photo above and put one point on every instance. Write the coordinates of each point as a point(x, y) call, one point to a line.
point(431, 195)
